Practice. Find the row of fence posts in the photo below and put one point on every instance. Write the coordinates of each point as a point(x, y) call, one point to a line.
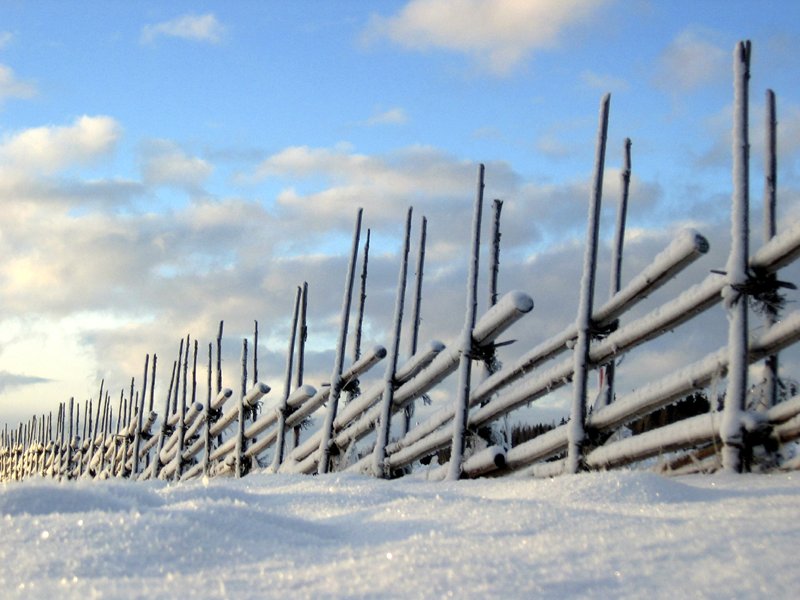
point(190, 440)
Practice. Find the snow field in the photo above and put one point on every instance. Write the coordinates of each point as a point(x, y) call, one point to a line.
point(618, 534)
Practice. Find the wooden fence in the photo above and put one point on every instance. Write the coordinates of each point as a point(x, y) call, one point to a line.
point(237, 432)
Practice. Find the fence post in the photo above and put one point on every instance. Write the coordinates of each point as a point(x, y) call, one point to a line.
point(240, 439)
point(576, 430)
point(732, 430)
point(385, 423)
point(336, 375)
point(461, 417)
point(770, 229)
point(301, 352)
point(607, 390)
point(408, 411)
point(280, 441)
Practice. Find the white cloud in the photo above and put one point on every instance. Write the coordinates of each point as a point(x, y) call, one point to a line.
point(165, 163)
point(197, 28)
point(51, 149)
point(393, 116)
point(499, 34)
point(11, 87)
point(691, 61)
point(6, 37)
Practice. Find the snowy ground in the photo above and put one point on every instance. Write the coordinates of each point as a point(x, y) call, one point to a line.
point(619, 534)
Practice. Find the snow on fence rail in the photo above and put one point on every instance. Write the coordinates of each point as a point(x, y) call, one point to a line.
point(233, 433)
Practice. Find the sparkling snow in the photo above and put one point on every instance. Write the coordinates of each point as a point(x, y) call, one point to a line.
point(601, 535)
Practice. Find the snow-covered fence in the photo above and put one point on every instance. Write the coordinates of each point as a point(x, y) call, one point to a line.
point(231, 433)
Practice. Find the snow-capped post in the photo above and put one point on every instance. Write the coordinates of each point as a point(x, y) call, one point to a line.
point(576, 430)
point(616, 262)
point(461, 416)
point(241, 442)
point(408, 411)
point(732, 429)
point(301, 354)
point(280, 440)
point(338, 365)
point(385, 423)
point(494, 269)
point(137, 433)
point(770, 229)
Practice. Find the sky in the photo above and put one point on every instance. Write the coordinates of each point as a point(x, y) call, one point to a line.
point(166, 166)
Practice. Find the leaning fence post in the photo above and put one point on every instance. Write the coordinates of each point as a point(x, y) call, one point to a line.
point(576, 429)
point(385, 423)
point(461, 416)
point(732, 429)
point(336, 375)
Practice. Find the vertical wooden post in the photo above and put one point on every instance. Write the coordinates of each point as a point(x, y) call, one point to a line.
point(152, 384)
point(494, 269)
point(461, 417)
point(181, 426)
point(280, 441)
point(607, 393)
point(70, 438)
point(240, 440)
point(338, 365)
point(408, 411)
point(165, 430)
point(385, 424)
point(207, 427)
point(137, 434)
point(732, 429)
point(301, 353)
point(770, 229)
point(219, 357)
point(362, 298)
point(255, 352)
point(576, 430)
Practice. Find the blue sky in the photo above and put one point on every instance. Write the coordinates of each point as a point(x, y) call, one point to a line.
point(167, 165)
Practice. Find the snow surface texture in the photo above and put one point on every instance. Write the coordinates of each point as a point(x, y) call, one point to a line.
point(619, 534)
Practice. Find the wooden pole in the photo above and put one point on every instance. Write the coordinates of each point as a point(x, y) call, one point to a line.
point(770, 229)
point(732, 432)
point(408, 411)
point(301, 354)
point(207, 430)
point(137, 433)
point(584, 320)
point(240, 439)
point(338, 365)
point(616, 263)
point(461, 416)
point(280, 442)
point(385, 423)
